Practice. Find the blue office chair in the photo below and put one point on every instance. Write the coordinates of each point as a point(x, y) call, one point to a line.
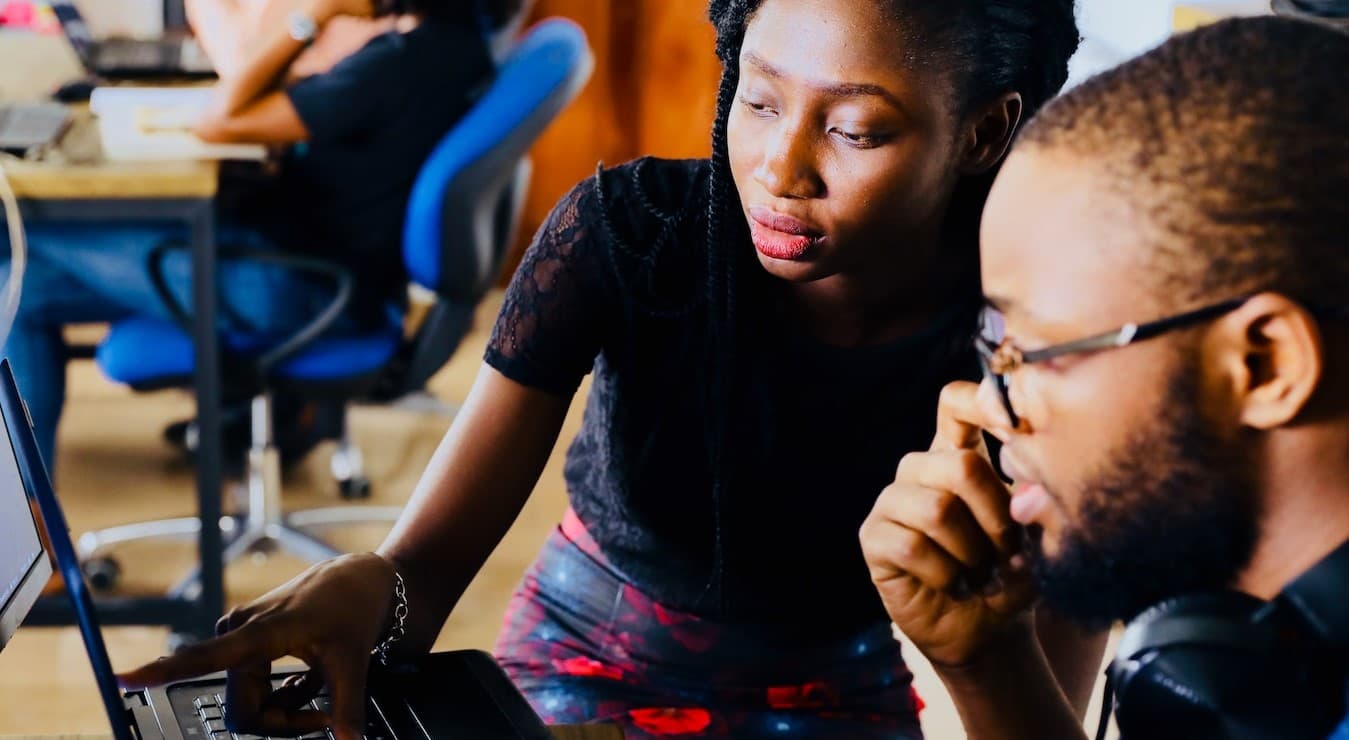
point(461, 219)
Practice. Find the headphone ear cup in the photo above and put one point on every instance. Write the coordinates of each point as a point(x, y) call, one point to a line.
point(1182, 662)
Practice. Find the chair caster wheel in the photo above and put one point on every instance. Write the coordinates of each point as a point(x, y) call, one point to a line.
point(354, 488)
point(103, 572)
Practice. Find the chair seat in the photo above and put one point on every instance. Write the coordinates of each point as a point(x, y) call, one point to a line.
point(143, 351)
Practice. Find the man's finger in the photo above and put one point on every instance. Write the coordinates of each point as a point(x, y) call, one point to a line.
point(944, 518)
point(893, 550)
point(344, 672)
point(970, 476)
point(960, 419)
point(209, 656)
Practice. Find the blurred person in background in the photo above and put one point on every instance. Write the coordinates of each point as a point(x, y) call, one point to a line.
point(352, 139)
point(229, 29)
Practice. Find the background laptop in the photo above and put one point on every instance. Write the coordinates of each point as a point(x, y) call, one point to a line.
point(131, 58)
point(460, 694)
point(27, 126)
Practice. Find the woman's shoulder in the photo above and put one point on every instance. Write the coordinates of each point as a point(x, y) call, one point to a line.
point(664, 182)
point(639, 218)
point(631, 232)
point(648, 193)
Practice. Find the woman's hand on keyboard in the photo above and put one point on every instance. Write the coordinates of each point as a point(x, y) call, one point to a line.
point(331, 617)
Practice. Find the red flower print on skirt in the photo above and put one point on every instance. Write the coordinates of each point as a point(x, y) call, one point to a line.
point(671, 720)
point(918, 703)
point(813, 695)
point(586, 667)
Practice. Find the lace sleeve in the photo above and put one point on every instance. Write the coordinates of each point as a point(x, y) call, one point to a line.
point(553, 321)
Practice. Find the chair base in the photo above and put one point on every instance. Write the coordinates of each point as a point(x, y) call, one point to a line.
point(261, 528)
point(241, 538)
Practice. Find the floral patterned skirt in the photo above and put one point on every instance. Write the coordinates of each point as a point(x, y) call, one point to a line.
point(584, 645)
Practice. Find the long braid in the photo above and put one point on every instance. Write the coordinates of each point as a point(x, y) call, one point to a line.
point(721, 328)
point(727, 234)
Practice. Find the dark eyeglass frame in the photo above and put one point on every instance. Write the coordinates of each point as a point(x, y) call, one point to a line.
point(1000, 360)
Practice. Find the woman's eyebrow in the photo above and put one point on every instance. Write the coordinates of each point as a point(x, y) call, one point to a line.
point(833, 89)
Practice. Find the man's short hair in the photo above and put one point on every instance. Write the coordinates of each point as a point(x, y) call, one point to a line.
point(1232, 141)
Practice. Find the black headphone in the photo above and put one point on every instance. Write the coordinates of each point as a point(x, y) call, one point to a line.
point(1229, 666)
point(1333, 12)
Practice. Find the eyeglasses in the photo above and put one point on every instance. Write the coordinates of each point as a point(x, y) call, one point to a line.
point(1000, 358)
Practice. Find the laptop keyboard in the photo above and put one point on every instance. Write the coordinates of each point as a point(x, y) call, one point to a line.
point(208, 721)
point(29, 125)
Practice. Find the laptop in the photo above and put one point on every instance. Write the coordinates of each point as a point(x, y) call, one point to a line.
point(458, 694)
point(28, 126)
point(132, 58)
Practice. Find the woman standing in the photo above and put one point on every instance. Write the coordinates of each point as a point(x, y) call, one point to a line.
point(768, 332)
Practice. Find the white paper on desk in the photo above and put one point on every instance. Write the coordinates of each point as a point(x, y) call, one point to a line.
point(154, 124)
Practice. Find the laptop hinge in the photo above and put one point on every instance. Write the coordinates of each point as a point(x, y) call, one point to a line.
point(142, 717)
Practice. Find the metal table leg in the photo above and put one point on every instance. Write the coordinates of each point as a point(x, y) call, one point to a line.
point(211, 601)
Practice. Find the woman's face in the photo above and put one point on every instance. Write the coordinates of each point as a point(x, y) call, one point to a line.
point(843, 154)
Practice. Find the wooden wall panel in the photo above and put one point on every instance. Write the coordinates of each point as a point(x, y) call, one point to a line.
point(653, 92)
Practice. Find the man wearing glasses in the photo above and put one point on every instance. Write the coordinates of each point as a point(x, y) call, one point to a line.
point(1166, 360)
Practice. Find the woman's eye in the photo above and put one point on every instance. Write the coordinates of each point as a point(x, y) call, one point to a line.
point(860, 141)
point(757, 107)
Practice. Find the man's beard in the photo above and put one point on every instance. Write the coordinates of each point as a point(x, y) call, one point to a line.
point(1171, 513)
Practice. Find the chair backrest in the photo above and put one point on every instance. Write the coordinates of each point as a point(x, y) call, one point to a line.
point(465, 204)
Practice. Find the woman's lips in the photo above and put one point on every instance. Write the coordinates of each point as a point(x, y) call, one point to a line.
point(780, 236)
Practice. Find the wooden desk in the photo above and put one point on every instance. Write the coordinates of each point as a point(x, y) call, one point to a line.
point(43, 181)
point(76, 170)
point(74, 184)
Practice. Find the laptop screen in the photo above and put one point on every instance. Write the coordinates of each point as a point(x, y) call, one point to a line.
point(77, 33)
point(19, 458)
point(21, 554)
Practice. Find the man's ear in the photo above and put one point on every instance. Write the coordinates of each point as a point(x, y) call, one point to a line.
point(1274, 355)
point(989, 134)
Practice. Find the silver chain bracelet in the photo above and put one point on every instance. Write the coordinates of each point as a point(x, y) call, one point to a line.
point(400, 618)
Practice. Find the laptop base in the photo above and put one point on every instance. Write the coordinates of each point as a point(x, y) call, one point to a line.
point(461, 693)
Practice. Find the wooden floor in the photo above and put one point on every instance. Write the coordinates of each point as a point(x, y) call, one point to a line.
point(114, 468)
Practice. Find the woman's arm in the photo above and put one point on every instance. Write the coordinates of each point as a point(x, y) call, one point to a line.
point(220, 26)
point(229, 31)
point(332, 615)
point(471, 492)
point(248, 106)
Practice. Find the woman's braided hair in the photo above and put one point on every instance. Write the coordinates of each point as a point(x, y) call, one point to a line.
point(985, 47)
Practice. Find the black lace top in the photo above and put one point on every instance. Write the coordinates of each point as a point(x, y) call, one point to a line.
point(613, 284)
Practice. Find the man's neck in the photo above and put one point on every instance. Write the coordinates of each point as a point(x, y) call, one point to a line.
point(1306, 517)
